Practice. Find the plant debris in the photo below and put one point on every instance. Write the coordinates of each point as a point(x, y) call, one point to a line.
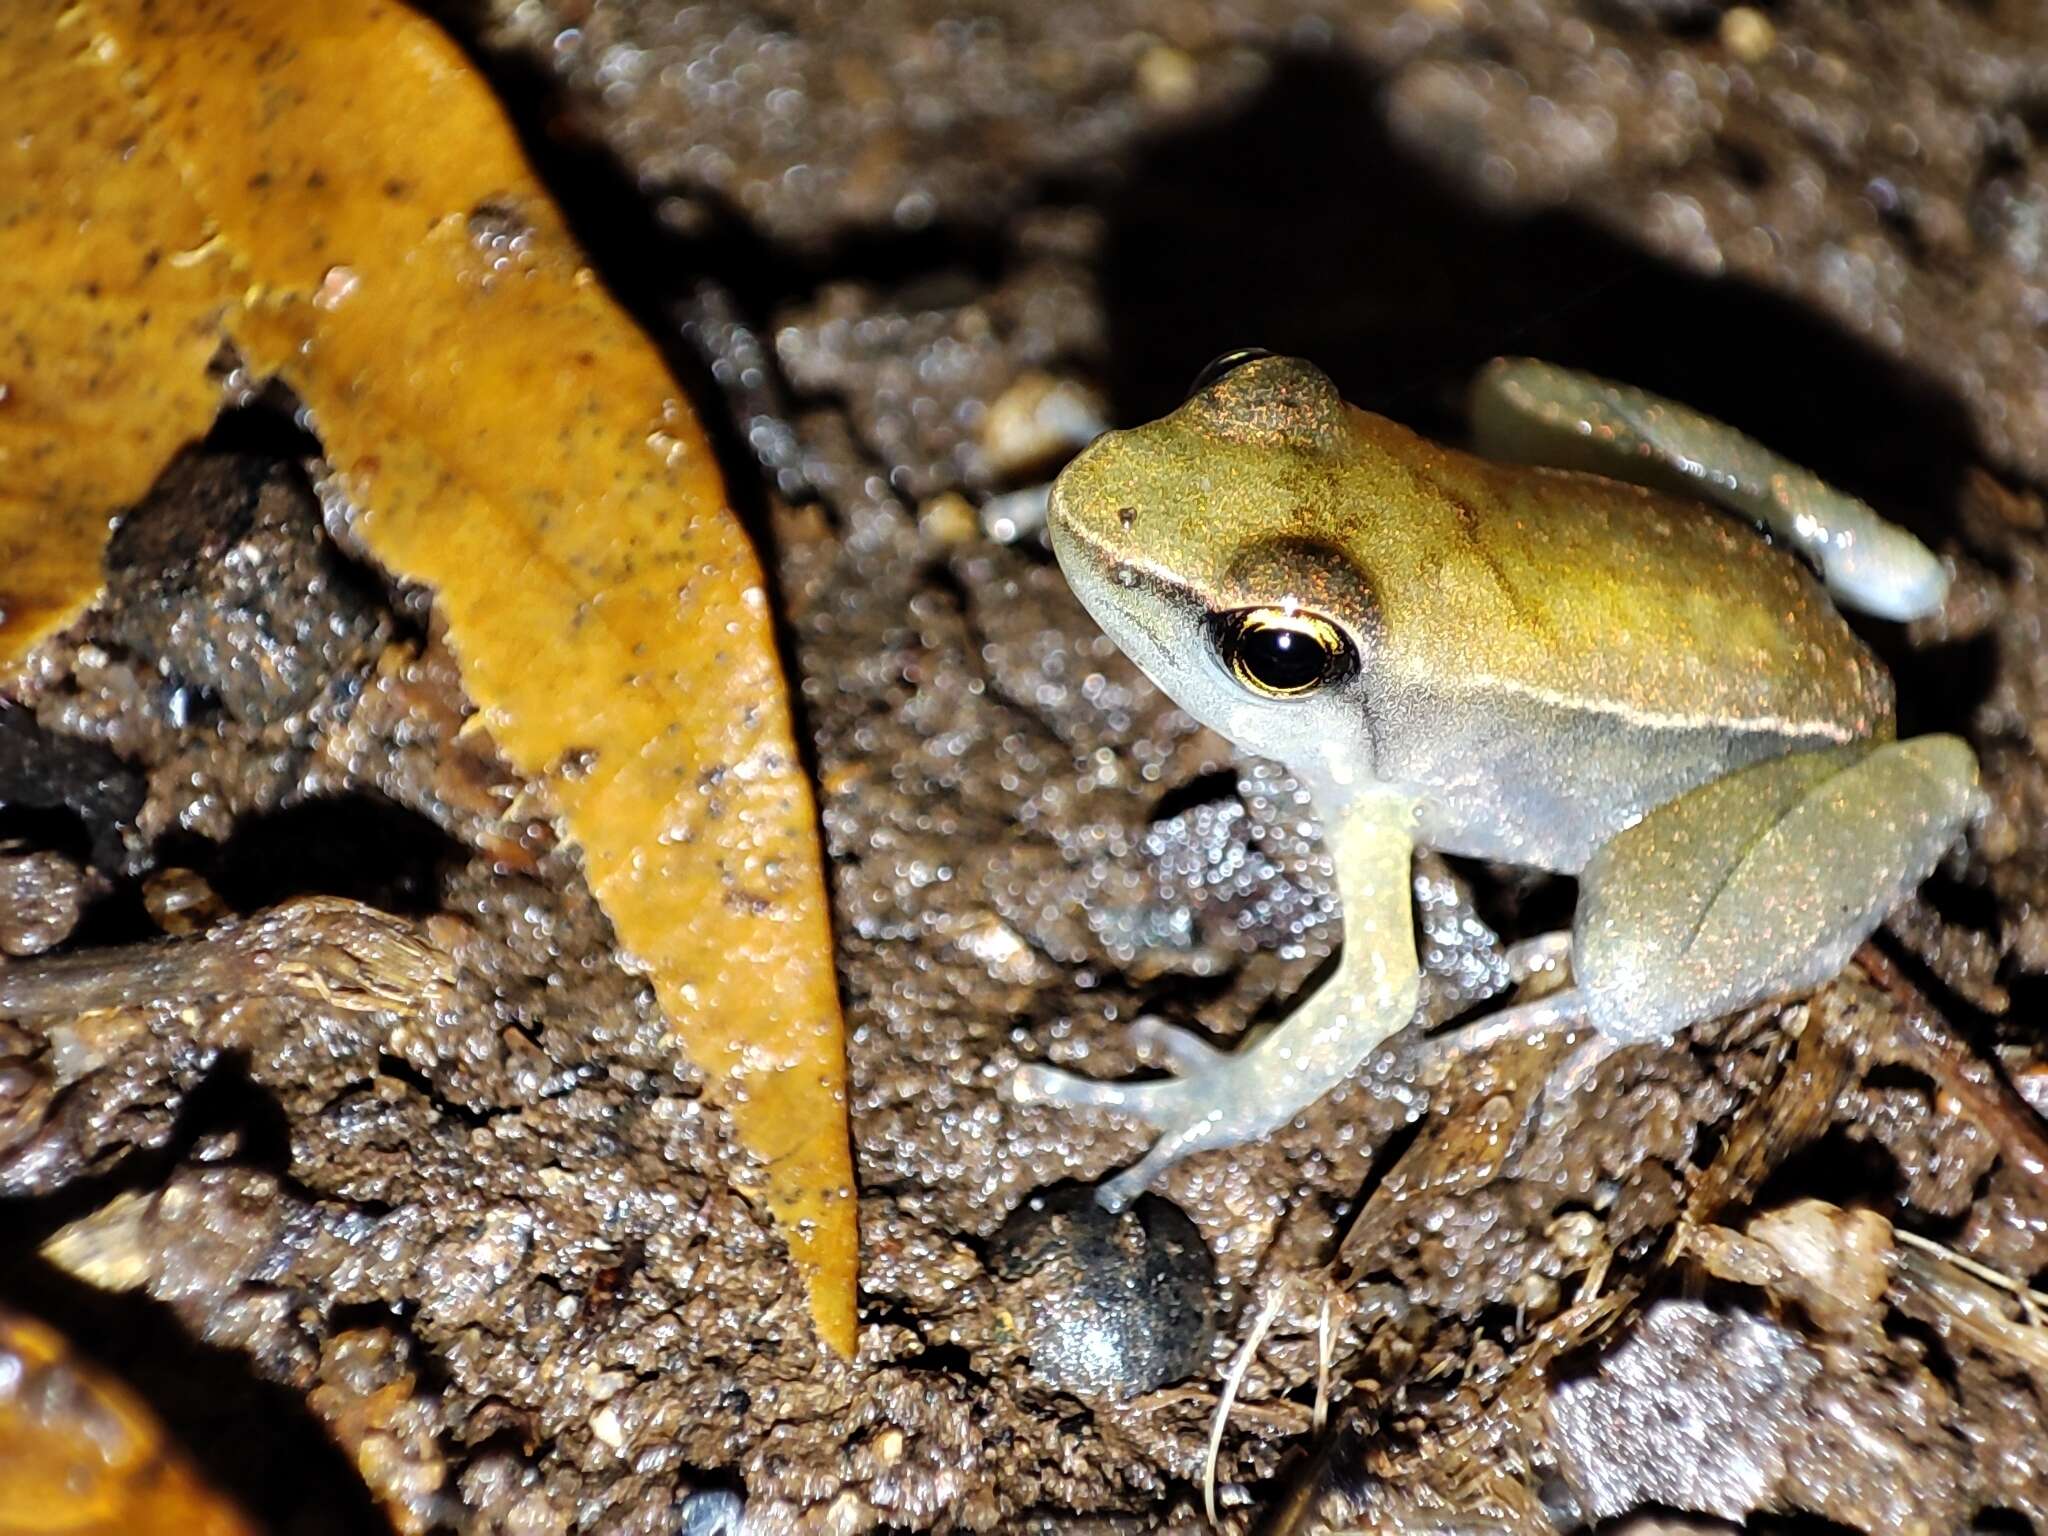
point(530, 460)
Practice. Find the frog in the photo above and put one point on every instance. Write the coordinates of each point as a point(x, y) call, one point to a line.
point(1608, 643)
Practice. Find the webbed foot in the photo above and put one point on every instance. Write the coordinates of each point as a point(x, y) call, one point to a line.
point(1220, 1098)
point(1213, 1099)
point(1564, 1009)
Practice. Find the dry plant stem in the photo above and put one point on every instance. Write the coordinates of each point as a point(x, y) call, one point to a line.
point(165, 974)
point(346, 954)
point(1233, 1381)
point(1932, 1281)
point(1466, 1463)
point(1929, 1044)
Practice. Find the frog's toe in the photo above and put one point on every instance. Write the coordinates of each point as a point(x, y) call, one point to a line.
point(1217, 1099)
point(1199, 1115)
point(1220, 1105)
point(1117, 1193)
point(1179, 1050)
point(1037, 1083)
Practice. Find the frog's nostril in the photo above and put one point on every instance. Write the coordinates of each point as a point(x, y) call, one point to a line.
point(1126, 516)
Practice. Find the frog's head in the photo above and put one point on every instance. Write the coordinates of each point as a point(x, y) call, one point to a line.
point(1205, 545)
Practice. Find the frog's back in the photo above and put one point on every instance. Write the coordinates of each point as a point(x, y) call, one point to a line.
point(1600, 648)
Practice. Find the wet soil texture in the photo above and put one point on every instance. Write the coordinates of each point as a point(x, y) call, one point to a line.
point(331, 1121)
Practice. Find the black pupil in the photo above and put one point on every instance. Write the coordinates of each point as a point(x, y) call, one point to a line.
point(1229, 362)
point(1284, 660)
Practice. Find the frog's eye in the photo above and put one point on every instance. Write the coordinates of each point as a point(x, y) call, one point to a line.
point(1229, 362)
point(1283, 653)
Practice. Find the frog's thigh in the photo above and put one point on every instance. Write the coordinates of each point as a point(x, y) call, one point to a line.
point(1762, 883)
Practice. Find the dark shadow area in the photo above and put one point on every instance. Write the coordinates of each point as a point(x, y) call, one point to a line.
point(1939, 688)
point(254, 1440)
point(268, 427)
point(229, 1117)
point(1926, 1340)
point(2029, 1005)
point(1968, 908)
point(1300, 225)
point(2001, 1522)
point(1516, 903)
point(75, 793)
point(55, 828)
point(231, 1109)
point(361, 847)
point(1216, 787)
point(1836, 1167)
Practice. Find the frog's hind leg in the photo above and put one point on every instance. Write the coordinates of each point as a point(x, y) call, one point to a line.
point(1537, 413)
point(1762, 883)
point(1527, 958)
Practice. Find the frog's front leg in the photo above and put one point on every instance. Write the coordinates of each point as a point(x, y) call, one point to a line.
point(1218, 1098)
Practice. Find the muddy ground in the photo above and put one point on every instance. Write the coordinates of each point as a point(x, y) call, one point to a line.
point(386, 1187)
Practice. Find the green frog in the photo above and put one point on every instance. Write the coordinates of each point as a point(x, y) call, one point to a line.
point(1513, 661)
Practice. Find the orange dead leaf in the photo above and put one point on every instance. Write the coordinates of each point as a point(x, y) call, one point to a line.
point(109, 311)
point(80, 1456)
point(516, 443)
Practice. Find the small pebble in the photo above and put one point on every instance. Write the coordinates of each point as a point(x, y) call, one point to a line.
point(712, 1512)
point(1167, 78)
point(1106, 1305)
point(948, 520)
point(1748, 34)
point(42, 895)
point(1037, 424)
point(179, 901)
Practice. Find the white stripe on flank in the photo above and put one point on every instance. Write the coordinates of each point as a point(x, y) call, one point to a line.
point(1658, 719)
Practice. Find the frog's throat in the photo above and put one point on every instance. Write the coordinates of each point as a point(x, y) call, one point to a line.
point(1145, 609)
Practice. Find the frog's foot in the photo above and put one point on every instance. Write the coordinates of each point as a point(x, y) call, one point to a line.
point(1538, 956)
point(1220, 1098)
point(1565, 1009)
point(1213, 1099)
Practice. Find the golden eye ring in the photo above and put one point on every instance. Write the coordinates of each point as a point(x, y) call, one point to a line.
point(1283, 653)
